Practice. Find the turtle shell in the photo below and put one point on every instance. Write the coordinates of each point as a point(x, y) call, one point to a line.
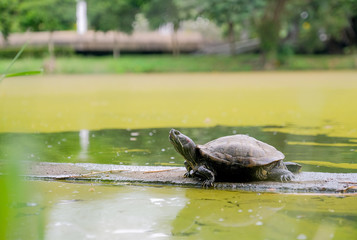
point(240, 150)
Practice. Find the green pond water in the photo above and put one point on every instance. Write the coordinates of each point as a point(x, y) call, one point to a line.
point(151, 146)
point(82, 211)
point(125, 119)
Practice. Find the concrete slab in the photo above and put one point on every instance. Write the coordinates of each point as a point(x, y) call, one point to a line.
point(305, 182)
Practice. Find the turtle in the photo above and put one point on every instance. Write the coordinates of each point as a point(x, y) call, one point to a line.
point(232, 158)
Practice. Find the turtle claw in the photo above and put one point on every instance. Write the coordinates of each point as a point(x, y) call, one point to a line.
point(287, 177)
point(188, 174)
point(207, 184)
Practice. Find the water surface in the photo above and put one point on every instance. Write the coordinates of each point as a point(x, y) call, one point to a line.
point(151, 146)
point(81, 211)
point(304, 102)
point(125, 119)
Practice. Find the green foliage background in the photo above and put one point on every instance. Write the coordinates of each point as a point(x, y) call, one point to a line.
point(304, 24)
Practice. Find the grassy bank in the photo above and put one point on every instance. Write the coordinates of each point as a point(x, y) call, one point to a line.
point(183, 63)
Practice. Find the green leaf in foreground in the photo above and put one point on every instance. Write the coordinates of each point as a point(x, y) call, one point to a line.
point(13, 61)
point(5, 74)
point(26, 73)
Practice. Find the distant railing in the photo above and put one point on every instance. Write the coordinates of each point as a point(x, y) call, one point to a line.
point(91, 41)
point(106, 41)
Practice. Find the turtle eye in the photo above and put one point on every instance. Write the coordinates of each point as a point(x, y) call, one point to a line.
point(177, 132)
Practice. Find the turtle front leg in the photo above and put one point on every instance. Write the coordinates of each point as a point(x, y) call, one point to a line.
point(189, 172)
point(206, 174)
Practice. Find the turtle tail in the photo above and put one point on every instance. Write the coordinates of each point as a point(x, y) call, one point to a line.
point(293, 167)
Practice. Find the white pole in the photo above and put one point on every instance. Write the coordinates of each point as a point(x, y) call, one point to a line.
point(82, 25)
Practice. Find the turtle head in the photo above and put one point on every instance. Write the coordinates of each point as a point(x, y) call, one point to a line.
point(184, 145)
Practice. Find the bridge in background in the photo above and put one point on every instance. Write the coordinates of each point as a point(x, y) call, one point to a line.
point(138, 42)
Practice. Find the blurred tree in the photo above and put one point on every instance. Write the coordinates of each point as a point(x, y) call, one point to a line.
point(47, 15)
point(268, 29)
point(316, 32)
point(230, 14)
point(160, 12)
point(116, 15)
point(8, 9)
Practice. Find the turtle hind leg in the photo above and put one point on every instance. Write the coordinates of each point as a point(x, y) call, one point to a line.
point(279, 174)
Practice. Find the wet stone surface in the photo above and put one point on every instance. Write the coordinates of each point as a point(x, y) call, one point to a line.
point(305, 182)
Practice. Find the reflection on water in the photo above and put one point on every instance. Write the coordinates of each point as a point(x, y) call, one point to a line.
point(84, 142)
point(114, 213)
point(151, 146)
point(80, 211)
